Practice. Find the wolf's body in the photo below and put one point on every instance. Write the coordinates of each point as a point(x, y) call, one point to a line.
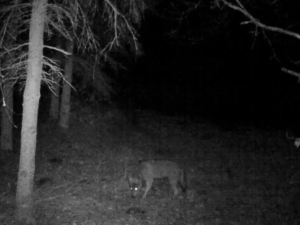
point(153, 169)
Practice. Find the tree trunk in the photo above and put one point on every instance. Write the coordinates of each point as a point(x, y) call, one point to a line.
point(66, 93)
point(8, 92)
point(55, 95)
point(24, 197)
point(54, 107)
point(7, 118)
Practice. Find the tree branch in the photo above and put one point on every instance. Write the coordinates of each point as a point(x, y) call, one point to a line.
point(116, 26)
point(239, 7)
point(296, 74)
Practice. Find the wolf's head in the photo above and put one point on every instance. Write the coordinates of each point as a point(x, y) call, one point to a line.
point(135, 185)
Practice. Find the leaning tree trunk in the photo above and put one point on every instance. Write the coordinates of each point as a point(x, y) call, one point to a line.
point(66, 93)
point(7, 118)
point(24, 197)
point(55, 95)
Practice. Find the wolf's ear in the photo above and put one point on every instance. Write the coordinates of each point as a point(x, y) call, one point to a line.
point(132, 179)
point(129, 179)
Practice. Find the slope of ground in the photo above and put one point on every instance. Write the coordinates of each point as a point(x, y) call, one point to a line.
point(241, 176)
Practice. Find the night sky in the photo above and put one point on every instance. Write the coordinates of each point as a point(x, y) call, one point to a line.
point(210, 65)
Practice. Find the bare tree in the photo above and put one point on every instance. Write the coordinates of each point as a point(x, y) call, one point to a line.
point(28, 66)
point(118, 20)
point(24, 196)
point(55, 92)
point(66, 94)
point(41, 17)
point(7, 86)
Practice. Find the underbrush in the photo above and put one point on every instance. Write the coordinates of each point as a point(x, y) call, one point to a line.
point(240, 176)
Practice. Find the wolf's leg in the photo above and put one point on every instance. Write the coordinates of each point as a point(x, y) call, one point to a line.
point(148, 186)
point(173, 182)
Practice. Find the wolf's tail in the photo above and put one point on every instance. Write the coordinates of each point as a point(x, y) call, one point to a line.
point(183, 181)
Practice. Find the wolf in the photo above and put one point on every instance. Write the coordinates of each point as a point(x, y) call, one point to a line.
point(152, 169)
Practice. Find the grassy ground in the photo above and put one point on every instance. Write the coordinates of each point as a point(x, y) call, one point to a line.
point(236, 176)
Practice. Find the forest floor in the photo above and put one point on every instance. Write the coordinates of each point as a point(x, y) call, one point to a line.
point(238, 175)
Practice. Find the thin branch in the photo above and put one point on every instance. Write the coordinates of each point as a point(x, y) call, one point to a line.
point(296, 74)
point(15, 48)
point(239, 7)
point(58, 49)
point(117, 26)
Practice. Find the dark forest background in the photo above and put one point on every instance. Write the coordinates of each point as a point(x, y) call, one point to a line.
point(206, 63)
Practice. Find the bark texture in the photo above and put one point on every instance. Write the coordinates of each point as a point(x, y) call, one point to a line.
point(24, 197)
point(66, 92)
